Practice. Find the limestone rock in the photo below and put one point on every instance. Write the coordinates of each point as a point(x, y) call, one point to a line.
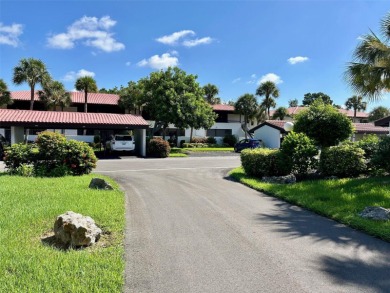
point(280, 179)
point(375, 213)
point(98, 183)
point(73, 229)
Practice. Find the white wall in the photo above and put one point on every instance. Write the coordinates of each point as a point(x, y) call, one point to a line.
point(270, 136)
point(85, 138)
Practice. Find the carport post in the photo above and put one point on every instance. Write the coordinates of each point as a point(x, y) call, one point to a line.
point(140, 141)
point(17, 134)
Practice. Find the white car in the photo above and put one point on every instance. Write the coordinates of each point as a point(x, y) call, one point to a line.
point(122, 142)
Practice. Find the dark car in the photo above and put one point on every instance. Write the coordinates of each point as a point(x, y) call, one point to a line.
point(247, 143)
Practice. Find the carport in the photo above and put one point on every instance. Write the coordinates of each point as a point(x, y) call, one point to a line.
point(18, 120)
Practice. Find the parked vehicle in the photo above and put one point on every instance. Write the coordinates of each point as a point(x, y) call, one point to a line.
point(248, 143)
point(121, 142)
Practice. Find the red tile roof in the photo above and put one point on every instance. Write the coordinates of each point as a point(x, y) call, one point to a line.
point(370, 128)
point(77, 97)
point(25, 116)
point(291, 111)
point(278, 124)
point(222, 107)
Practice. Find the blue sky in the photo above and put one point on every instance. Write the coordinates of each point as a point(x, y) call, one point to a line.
point(232, 44)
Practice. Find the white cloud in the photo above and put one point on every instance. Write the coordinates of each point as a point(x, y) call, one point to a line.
point(72, 75)
point(9, 35)
point(253, 79)
point(298, 59)
point(196, 42)
point(128, 63)
point(253, 75)
point(270, 77)
point(90, 31)
point(236, 80)
point(160, 62)
point(173, 38)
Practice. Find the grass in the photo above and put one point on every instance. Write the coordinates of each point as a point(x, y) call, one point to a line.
point(340, 199)
point(29, 207)
point(215, 149)
point(177, 153)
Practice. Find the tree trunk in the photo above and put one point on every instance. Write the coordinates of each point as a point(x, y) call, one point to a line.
point(192, 129)
point(85, 101)
point(32, 97)
point(354, 113)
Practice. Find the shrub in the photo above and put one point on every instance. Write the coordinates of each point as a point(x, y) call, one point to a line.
point(211, 140)
point(195, 145)
point(230, 140)
point(369, 144)
point(263, 162)
point(79, 158)
point(182, 142)
point(342, 161)
point(299, 153)
point(158, 148)
point(51, 145)
point(381, 157)
point(323, 123)
point(24, 170)
point(18, 154)
point(199, 140)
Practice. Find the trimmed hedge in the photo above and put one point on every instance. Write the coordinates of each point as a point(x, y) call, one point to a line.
point(342, 161)
point(199, 140)
point(230, 140)
point(195, 145)
point(263, 162)
point(158, 148)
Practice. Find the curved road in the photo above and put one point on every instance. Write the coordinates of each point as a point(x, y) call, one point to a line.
point(190, 229)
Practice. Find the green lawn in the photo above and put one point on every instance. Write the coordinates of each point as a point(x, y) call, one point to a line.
point(29, 207)
point(340, 199)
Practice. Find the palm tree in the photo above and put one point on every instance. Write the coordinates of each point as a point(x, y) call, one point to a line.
point(210, 94)
point(88, 85)
point(369, 73)
point(54, 94)
point(280, 113)
point(246, 105)
point(5, 95)
point(356, 103)
point(270, 91)
point(33, 71)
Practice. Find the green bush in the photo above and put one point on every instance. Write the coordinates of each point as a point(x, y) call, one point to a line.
point(18, 154)
point(342, 161)
point(369, 144)
point(298, 153)
point(230, 140)
point(158, 148)
point(195, 145)
point(263, 162)
point(381, 157)
point(199, 140)
point(79, 158)
point(24, 170)
point(51, 145)
point(211, 140)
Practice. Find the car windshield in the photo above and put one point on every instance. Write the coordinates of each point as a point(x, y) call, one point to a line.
point(123, 137)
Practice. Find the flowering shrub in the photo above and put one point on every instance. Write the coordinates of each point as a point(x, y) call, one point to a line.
point(79, 157)
point(19, 154)
point(158, 148)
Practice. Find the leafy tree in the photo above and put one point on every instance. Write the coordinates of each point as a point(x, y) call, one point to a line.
point(378, 113)
point(246, 105)
point(114, 90)
point(261, 114)
point(5, 94)
point(175, 97)
point(369, 73)
point(270, 91)
point(356, 103)
point(280, 113)
point(210, 94)
point(54, 94)
point(230, 103)
point(324, 124)
point(130, 97)
point(88, 85)
point(309, 98)
point(32, 71)
point(293, 103)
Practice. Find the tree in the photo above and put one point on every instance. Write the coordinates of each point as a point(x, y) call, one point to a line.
point(324, 124)
point(88, 85)
point(32, 71)
point(54, 94)
point(309, 98)
point(130, 97)
point(261, 114)
point(114, 90)
point(378, 113)
point(175, 97)
point(210, 94)
point(280, 113)
point(270, 91)
point(246, 105)
point(5, 94)
point(369, 73)
point(293, 103)
point(356, 103)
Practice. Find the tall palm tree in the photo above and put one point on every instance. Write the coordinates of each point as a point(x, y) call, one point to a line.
point(246, 105)
point(280, 113)
point(54, 94)
point(356, 103)
point(33, 71)
point(270, 91)
point(88, 85)
point(369, 73)
point(210, 94)
point(5, 95)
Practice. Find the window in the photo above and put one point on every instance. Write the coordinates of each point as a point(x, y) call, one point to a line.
point(218, 132)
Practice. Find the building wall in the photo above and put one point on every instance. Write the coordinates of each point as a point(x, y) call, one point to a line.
point(269, 135)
